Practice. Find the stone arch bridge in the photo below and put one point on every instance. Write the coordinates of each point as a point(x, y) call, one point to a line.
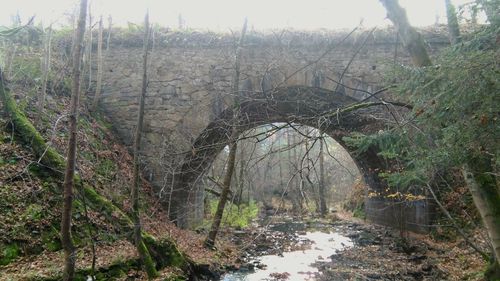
point(285, 77)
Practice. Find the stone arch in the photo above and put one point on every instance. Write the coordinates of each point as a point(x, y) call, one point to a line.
point(311, 106)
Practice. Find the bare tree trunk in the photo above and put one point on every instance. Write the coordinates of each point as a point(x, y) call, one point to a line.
point(304, 172)
point(141, 248)
point(453, 28)
point(306, 176)
point(292, 189)
point(90, 231)
point(322, 193)
point(46, 70)
point(412, 40)
point(210, 241)
point(482, 184)
point(11, 54)
point(99, 66)
point(66, 240)
point(89, 51)
point(110, 24)
point(297, 182)
point(241, 177)
point(280, 167)
point(266, 194)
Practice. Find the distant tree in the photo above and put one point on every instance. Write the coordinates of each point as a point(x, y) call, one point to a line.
point(99, 66)
point(226, 185)
point(45, 71)
point(66, 240)
point(181, 22)
point(141, 248)
point(322, 183)
point(453, 28)
point(110, 25)
point(88, 59)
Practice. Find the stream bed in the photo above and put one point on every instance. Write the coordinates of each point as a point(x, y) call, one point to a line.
point(311, 247)
point(331, 251)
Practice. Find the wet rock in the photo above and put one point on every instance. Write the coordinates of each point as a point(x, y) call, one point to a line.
point(353, 235)
point(261, 266)
point(232, 267)
point(247, 267)
point(206, 272)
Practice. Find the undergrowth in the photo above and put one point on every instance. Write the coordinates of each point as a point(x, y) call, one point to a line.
point(235, 216)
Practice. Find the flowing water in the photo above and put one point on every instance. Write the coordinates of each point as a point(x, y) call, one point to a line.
point(296, 265)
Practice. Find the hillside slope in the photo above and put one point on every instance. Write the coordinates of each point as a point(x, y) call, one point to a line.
point(32, 200)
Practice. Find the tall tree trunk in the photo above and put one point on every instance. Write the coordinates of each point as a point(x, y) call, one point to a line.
point(210, 241)
point(141, 248)
point(110, 24)
point(241, 177)
point(412, 40)
point(266, 194)
point(453, 28)
point(280, 167)
point(482, 184)
point(89, 50)
point(66, 240)
point(10, 55)
point(291, 181)
point(322, 193)
point(99, 66)
point(46, 70)
point(290, 173)
point(296, 171)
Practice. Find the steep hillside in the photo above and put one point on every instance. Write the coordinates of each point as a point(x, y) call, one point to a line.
point(31, 200)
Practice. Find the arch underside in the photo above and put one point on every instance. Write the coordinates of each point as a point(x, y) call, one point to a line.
point(315, 107)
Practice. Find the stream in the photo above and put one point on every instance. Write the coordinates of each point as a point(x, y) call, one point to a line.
point(313, 246)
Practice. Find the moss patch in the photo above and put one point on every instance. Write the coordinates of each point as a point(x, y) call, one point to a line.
point(9, 253)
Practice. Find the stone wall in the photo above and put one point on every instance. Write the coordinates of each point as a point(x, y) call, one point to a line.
point(414, 216)
point(190, 78)
point(190, 74)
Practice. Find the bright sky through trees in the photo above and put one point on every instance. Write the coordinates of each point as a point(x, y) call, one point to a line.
point(223, 15)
